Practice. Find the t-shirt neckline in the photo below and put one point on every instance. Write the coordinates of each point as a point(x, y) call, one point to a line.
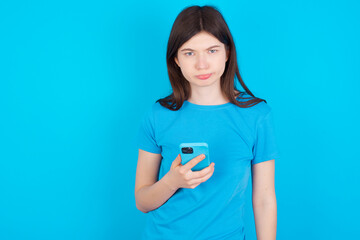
point(207, 107)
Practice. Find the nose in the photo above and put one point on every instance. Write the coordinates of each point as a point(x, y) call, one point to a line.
point(202, 61)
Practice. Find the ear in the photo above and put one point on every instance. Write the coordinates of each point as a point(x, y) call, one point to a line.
point(227, 55)
point(176, 61)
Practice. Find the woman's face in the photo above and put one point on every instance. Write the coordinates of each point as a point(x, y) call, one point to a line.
point(201, 56)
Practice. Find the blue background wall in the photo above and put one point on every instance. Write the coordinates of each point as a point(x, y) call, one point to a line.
point(76, 77)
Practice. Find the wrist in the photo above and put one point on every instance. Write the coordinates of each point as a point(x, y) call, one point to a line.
point(168, 181)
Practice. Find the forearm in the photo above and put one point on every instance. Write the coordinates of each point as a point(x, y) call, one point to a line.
point(265, 214)
point(151, 197)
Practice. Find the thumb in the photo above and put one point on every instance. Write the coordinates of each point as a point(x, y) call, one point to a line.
point(176, 162)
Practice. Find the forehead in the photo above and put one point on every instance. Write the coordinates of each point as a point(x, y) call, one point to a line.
point(201, 40)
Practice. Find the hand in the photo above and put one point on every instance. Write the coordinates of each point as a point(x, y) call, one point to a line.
point(181, 176)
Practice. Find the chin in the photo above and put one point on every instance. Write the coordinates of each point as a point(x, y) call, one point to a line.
point(203, 83)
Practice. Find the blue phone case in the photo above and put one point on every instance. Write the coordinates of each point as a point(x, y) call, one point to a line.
point(197, 148)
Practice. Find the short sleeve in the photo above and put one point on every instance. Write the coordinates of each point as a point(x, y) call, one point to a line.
point(145, 139)
point(265, 147)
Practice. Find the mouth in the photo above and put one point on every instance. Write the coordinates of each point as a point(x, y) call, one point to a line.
point(203, 77)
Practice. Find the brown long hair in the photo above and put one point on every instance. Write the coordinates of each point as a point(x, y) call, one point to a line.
point(188, 23)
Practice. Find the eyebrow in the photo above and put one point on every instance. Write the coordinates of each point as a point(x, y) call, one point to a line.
point(189, 49)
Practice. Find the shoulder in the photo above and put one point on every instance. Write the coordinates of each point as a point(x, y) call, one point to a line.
point(157, 108)
point(262, 109)
point(257, 111)
point(157, 111)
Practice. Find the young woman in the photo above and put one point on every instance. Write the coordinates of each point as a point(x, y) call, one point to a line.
point(205, 106)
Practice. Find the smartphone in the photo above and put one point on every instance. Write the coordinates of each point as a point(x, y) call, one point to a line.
point(189, 151)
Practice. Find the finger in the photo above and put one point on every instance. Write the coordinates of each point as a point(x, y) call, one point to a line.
point(203, 172)
point(202, 179)
point(189, 165)
point(194, 186)
point(176, 162)
point(209, 170)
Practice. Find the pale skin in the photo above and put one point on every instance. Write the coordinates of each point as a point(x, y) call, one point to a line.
point(204, 54)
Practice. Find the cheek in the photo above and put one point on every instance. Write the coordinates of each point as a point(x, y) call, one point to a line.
point(184, 69)
point(220, 63)
point(222, 59)
point(186, 66)
point(220, 66)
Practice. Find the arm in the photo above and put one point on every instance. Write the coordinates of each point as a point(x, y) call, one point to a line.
point(264, 200)
point(149, 192)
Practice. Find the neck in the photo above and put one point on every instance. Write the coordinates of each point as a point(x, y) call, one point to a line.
point(208, 95)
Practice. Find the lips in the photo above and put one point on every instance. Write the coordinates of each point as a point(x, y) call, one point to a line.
point(203, 77)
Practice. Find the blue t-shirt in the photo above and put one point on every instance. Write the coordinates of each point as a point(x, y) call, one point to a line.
point(237, 138)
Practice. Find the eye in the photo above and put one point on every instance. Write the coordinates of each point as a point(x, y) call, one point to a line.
point(188, 53)
point(214, 50)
